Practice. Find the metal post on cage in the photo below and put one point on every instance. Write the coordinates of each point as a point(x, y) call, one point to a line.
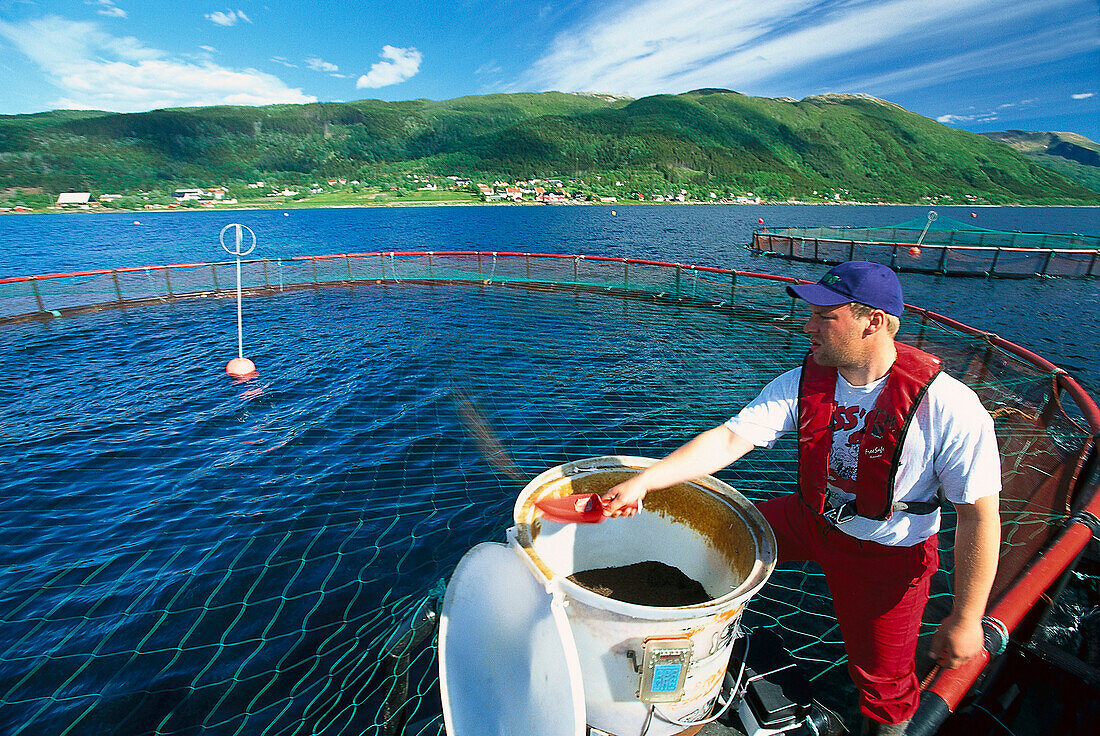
point(37, 295)
point(239, 366)
point(993, 266)
point(1046, 262)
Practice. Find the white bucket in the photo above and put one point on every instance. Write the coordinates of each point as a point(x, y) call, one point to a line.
point(705, 528)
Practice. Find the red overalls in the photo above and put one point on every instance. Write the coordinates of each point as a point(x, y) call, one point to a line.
point(879, 592)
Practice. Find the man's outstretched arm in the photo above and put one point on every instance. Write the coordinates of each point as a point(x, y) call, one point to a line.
point(706, 453)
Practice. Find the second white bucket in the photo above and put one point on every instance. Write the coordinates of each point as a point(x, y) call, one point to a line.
point(704, 528)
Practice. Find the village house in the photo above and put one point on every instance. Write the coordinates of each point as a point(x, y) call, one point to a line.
point(83, 200)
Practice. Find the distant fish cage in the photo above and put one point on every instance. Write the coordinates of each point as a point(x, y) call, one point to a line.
point(952, 248)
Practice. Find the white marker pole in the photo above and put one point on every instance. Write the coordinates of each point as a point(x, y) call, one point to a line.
point(239, 366)
point(931, 218)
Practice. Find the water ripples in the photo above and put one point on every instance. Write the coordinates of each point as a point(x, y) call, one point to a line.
point(180, 543)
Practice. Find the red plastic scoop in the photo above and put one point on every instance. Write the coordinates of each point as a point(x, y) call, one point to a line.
point(579, 508)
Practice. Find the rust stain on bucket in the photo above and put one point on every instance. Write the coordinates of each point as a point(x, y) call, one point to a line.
point(712, 516)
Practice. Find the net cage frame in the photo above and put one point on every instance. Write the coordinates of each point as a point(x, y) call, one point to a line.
point(932, 254)
point(1073, 483)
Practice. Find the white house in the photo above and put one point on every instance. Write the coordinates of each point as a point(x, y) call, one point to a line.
point(73, 199)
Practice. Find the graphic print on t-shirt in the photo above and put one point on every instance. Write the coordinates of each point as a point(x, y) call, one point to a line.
point(854, 414)
point(847, 427)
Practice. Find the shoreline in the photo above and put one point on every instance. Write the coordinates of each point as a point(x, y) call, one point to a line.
point(444, 203)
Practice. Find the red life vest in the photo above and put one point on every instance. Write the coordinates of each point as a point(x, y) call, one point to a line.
point(884, 431)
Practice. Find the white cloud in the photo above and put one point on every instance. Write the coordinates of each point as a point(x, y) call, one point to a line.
point(228, 18)
point(978, 117)
point(488, 68)
point(401, 64)
point(108, 8)
point(320, 65)
point(986, 115)
point(656, 46)
point(1082, 95)
point(1006, 57)
point(653, 46)
point(94, 69)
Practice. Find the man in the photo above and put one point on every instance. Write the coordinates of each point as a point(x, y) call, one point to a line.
point(881, 430)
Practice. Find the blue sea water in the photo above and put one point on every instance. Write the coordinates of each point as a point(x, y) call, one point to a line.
point(184, 553)
point(1059, 319)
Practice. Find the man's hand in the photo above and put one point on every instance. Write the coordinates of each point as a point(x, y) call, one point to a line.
point(625, 498)
point(957, 641)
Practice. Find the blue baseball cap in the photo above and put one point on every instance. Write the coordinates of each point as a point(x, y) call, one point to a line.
point(868, 283)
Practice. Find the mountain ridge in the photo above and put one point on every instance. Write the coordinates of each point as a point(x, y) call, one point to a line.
point(1070, 154)
point(832, 146)
point(1072, 146)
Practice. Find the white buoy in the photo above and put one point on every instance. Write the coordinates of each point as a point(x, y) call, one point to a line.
point(239, 366)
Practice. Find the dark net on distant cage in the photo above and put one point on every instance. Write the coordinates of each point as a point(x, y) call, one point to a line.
point(272, 567)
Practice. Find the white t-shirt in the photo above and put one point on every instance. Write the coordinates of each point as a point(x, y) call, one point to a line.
point(950, 443)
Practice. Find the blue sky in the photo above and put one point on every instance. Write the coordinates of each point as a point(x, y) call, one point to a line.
point(975, 64)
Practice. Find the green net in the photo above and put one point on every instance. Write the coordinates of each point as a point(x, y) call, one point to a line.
point(940, 245)
point(279, 576)
point(946, 231)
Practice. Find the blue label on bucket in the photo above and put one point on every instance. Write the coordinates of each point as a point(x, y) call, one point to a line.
point(665, 678)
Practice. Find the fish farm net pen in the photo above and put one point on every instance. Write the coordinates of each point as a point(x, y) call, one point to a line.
point(946, 247)
point(306, 604)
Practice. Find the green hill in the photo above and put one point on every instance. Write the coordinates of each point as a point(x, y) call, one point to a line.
point(850, 147)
